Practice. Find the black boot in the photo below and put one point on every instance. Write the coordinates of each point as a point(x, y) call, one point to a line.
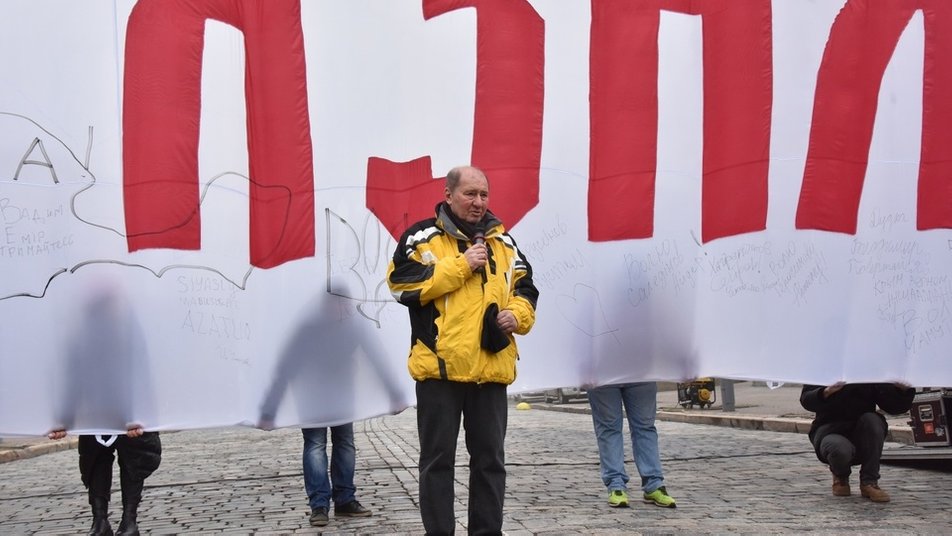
point(131, 497)
point(101, 526)
point(128, 525)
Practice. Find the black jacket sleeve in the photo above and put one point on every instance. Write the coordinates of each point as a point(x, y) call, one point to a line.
point(811, 397)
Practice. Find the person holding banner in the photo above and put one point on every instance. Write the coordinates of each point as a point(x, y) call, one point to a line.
point(849, 431)
point(322, 356)
point(640, 402)
point(140, 454)
point(107, 385)
point(468, 290)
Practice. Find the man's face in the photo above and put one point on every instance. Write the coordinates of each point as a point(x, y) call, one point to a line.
point(470, 199)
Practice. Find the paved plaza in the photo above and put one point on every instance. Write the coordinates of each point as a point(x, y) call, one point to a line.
point(726, 480)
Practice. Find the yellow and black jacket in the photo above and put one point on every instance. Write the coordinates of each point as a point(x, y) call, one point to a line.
point(447, 300)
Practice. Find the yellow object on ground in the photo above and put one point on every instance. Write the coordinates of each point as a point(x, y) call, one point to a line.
point(523, 405)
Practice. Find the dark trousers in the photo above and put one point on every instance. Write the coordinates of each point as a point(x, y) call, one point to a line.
point(138, 458)
point(843, 445)
point(484, 412)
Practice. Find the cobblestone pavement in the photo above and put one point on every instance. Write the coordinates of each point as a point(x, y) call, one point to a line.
point(726, 480)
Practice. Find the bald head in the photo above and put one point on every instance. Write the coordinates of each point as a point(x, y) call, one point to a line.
point(454, 175)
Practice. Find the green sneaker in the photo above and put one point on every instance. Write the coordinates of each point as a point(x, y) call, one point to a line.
point(660, 498)
point(617, 497)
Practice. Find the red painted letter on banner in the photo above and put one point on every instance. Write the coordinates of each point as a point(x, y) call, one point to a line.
point(161, 108)
point(738, 88)
point(861, 44)
point(507, 130)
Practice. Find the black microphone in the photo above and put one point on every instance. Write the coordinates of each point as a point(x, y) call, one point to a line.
point(479, 237)
point(479, 234)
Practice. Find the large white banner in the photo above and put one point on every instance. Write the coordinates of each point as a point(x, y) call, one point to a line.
point(198, 200)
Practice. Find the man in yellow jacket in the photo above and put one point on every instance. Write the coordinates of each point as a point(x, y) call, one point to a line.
point(468, 289)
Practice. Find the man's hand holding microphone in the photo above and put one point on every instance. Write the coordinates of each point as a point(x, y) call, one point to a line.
point(477, 255)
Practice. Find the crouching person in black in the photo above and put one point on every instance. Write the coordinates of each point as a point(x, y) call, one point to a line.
point(139, 452)
point(849, 431)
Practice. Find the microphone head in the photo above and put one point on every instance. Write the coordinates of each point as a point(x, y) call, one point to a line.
point(479, 233)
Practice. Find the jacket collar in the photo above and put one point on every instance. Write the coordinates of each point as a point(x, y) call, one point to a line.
point(461, 230)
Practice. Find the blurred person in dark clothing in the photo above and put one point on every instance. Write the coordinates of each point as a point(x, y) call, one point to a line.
point(108, 386)
point(319, 368)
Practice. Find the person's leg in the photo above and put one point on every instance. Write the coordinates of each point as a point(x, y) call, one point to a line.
point(316, 482)
point(607, 418)
point(485, 415)
point(138, 458)
point(343, 461)
point(869, 434)
point(439, 406)
point(833, 447)
point(95, 469)
point(837, 451)
point(640, 401)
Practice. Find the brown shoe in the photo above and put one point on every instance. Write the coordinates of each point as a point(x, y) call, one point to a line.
point(841, 486)
point(873, 493)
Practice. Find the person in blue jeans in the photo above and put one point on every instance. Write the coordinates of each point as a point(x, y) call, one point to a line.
point(317, 366)
point(639, 401)
point(340, 486)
